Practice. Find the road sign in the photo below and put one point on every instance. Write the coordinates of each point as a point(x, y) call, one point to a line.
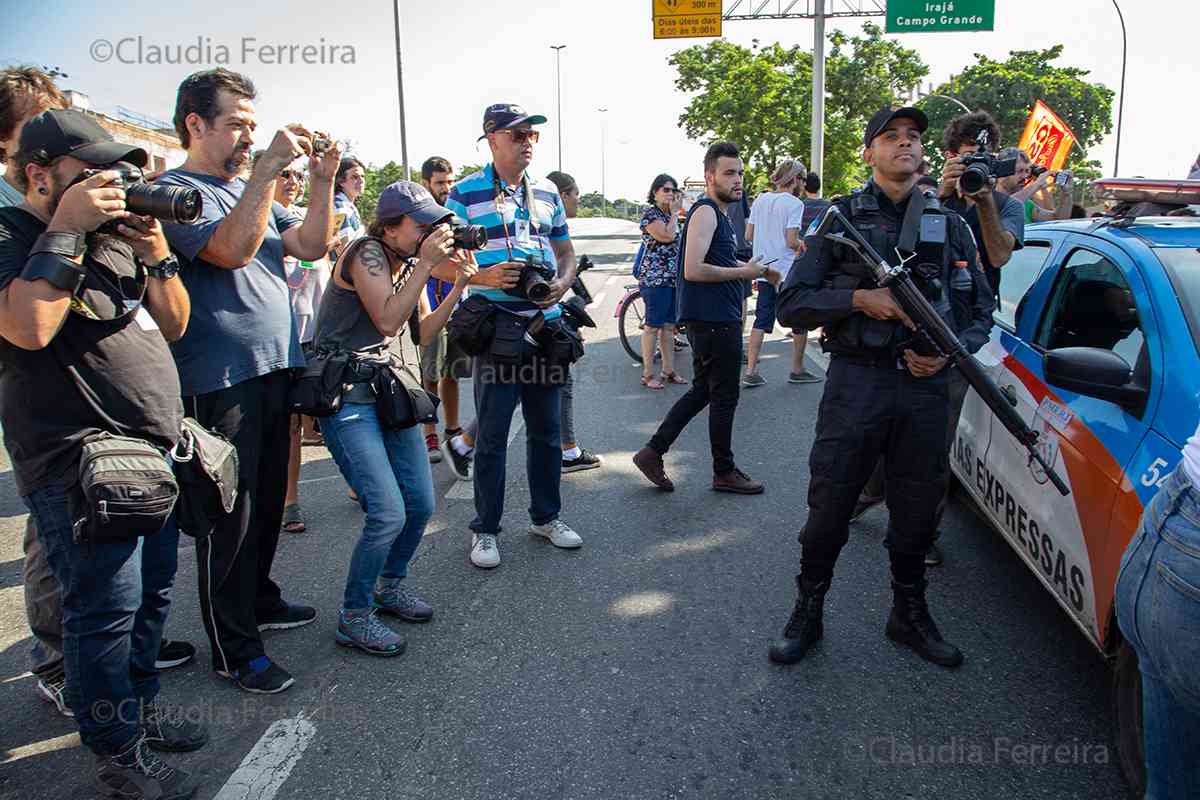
point(929, 16)
point(681, 19)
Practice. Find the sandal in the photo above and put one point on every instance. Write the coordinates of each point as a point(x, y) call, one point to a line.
point(673, 378)
point(316, 440)
point(293, 520)
point(651, 382)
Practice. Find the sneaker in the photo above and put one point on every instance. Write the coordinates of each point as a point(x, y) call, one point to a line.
point(55, 691)
point(434, 448)
point(460, 465)
point(166, 727)
point(485, 553)
point(173, 654)
point(804, 376)
point(736, 482)
point(585, 461)
point(137, 774)
point(392, 598)
point(863, 505)
point(933, 556)
point(363, 630)
point(680, 342)
point(559, 534)
point(650, 463)
point(289, 616)
point(260, 676)
point(752, 380)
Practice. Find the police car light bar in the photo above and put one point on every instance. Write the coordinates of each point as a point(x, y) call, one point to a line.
point(1143, 190)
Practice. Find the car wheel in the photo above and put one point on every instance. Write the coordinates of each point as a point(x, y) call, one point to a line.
point(1127, 719)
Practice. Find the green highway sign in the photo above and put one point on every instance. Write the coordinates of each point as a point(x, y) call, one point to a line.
point(930, 16)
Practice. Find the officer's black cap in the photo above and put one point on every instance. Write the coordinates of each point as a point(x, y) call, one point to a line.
point(885, 115)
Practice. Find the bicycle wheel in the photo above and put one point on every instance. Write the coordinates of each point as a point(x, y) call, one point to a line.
point(633, 317)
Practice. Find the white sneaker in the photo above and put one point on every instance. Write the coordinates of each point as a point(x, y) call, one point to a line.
point(485, 553)
point(559, 534)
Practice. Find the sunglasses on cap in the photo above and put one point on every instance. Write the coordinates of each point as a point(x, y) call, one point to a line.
point(521, 135)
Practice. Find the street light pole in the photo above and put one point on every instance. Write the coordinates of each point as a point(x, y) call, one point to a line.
point(1121, 106)
point(400, 84)
point(558, 48)
point(603, 190)
point(817, 157)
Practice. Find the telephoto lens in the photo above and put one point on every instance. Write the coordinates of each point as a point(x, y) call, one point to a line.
point(180, 204)
point(469, 237)
point(974, 178)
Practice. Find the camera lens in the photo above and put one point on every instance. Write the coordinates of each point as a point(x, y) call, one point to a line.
point(537, 289)
point(973, 179)
point(171, 203)
point(470, 237)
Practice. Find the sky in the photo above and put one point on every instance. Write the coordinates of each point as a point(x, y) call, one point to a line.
point(460, 57)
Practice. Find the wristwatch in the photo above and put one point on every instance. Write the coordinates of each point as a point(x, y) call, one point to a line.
point(167, 268)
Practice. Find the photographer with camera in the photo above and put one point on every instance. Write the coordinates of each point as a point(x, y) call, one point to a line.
point(885, 393)
point(1028, 182)
point(235, 360)
point(526, 267)
point(378, 288)
point(90, 298)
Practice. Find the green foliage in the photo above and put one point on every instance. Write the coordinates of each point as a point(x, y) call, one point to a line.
point(379, 178)
point(467, 169)
point(1008, 90)
point(761, 99)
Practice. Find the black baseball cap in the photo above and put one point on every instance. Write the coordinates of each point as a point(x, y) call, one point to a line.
point(408, 199)
point(507, 115)
point(66, 132)
point(885, 115)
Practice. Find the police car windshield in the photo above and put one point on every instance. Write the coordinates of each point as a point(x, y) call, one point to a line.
point(1183, 268)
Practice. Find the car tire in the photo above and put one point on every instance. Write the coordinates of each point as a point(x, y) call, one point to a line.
point(1127, 719)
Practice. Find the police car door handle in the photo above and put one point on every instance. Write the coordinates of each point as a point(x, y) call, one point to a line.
point(1010, 394)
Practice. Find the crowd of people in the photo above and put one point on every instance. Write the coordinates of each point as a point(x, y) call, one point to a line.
point(124, 324)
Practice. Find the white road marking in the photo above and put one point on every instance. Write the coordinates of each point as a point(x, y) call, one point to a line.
point(40, 748)
point(597, 300)
point(465, 490)
point(266, 767)
point(608, 281)
point(318, 480)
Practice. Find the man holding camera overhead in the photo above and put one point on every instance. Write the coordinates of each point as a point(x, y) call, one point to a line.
point(528, 245)
point(235, 359)
point(85, 317)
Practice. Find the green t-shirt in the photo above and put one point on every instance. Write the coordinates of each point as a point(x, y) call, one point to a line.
point(1028, 211)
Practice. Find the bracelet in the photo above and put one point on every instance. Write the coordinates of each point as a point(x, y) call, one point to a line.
point(70, 245)
point(55, 268)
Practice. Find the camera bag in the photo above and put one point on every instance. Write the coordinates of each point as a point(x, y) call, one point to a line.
point(472, 325)
point(317, 392)
point(206, 466)
point(400, 399)
point(127, 488)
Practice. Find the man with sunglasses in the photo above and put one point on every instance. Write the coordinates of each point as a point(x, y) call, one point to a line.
point(524, 218)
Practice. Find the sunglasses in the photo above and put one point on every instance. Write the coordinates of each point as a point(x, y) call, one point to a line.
point(521, 135)
point(292, 175)
point(668, 189)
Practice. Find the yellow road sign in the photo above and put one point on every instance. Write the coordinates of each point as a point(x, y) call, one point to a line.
point(680, 19)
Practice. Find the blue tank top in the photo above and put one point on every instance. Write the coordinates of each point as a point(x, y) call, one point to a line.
point(711, 302)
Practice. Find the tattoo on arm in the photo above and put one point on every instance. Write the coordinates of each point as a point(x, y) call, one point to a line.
point(373, 258)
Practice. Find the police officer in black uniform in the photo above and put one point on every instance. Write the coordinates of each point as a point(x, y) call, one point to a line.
point(886, 392)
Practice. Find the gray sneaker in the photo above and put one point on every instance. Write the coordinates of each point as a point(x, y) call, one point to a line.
point(363, 629)
point(167, 728)
point(753, 379)
point(137, 774)
point(804, 376)
point(392, 598)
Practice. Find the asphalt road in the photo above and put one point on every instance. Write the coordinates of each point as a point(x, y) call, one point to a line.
point(635, 667)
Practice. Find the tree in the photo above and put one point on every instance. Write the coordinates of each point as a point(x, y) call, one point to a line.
point(467, 169)
point(377, 179)
point(1008, 90)
point(761, 99)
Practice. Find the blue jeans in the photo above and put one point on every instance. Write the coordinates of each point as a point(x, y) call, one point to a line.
point(1158, 609)
point(495, 402)
point(389, 471)
point(115, 598)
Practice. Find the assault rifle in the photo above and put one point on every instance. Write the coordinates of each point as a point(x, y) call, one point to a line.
point(936, 333)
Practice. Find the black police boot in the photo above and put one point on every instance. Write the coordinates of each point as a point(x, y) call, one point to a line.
point(805, 628)
point(911, 625)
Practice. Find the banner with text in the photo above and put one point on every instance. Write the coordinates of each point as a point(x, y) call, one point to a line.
point(1047, 140)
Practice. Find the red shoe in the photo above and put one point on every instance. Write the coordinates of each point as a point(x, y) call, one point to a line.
point(434, 447)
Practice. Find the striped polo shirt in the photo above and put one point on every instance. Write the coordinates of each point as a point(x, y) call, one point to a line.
point(513, 232)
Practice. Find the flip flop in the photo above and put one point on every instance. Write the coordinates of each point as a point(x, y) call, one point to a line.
point(293, 520)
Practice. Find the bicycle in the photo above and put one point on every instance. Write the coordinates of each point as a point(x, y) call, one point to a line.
point(631, 315)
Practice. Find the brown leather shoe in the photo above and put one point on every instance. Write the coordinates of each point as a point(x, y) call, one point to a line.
point(651, 465)
point(737, 482)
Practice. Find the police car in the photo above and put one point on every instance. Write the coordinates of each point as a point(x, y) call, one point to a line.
point(1113, 413)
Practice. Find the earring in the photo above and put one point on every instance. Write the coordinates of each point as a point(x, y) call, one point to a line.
point(43, 190)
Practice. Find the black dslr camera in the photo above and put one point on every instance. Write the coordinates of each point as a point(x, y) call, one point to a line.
point(170, 203)
point(534, 283)
point(468, 237)
point(983, 165)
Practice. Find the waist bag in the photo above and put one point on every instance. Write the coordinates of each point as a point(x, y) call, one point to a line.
point(318, 390)
point(400, 399)
point(126, 487)
point(206, 466)
point(472, 325)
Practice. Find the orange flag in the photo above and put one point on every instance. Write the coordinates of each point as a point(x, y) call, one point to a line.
point(1047, 139)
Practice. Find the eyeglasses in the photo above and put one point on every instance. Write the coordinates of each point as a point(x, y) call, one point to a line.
point(521, 135)
point(292, 175)
point(669, 190)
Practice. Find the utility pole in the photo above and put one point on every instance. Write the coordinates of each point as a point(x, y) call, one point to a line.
point(817, 156)
point(1121, 105)
point(400, 84)
point(603, 190)
point(558, 48)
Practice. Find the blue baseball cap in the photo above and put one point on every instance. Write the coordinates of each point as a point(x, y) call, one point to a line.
point(507, 115)
point(408, 199)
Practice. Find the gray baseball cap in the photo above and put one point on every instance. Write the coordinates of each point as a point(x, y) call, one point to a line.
point(408, 199)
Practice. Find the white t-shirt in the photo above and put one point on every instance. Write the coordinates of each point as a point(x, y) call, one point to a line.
point(1191, 459)
point(307, 281)
point(771, 215)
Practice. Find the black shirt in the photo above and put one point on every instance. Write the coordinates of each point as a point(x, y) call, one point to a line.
point(124, 366)
point(1012, 219)
point(720, 301)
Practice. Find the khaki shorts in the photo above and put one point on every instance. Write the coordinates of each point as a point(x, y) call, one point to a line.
point(444, 360)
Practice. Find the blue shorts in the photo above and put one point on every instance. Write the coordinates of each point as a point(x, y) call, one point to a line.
point(660, 305)
point(764, 309)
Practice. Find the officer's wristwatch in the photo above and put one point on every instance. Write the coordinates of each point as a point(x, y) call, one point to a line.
point(167, 268)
